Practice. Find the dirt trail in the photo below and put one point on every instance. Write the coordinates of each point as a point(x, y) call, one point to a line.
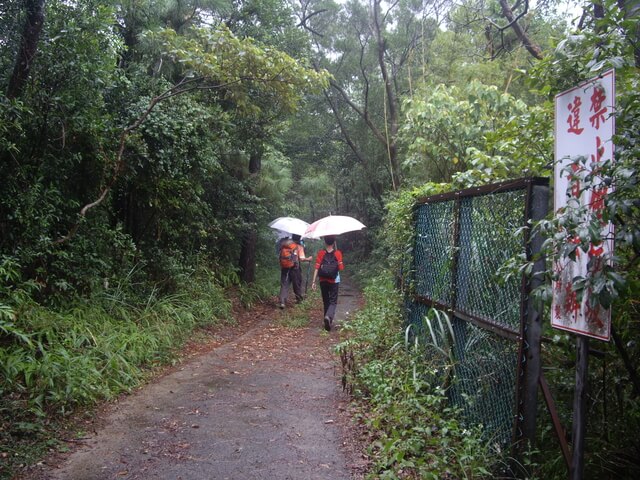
point(265, 405)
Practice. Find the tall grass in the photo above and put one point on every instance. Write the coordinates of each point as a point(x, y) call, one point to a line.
point(95, 350)
point(52, 361)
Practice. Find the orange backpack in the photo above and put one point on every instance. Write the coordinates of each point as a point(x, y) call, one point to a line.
point(289, 255)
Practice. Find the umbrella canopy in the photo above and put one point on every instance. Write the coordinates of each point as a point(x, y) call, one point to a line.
point(290, 225)
point(333, 225)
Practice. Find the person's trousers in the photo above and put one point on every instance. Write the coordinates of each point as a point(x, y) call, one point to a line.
point(291, 276)
point(329, 298)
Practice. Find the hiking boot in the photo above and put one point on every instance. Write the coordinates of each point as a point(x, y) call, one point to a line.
point(327, 324)
point(281, 306)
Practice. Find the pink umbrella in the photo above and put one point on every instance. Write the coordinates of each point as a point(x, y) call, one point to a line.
point(333, 225)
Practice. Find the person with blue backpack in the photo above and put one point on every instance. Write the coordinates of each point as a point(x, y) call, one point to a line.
point(327, 271)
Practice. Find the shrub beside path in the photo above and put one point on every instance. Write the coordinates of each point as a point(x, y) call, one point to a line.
point(264, 404)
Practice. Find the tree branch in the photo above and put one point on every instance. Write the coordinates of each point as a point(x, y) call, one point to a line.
point(343, 129)
point(378, 134)
point(182, 87)
point(391, 100)
point(531, 47)
point(626, 360)
point(303, 21)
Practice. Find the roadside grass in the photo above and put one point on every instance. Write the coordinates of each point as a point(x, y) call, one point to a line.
point(300, 315)
point(400, 398)
point(57, 365)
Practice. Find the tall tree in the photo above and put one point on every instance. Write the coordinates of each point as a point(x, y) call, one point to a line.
point(34, 21)
point(370, 48)
point(134, 156)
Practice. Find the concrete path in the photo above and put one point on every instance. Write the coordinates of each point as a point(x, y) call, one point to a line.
point(262, 406)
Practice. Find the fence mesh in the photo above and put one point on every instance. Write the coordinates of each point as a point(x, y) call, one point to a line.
point(484, 386)
point(433, 253)
point(488, 238)
point(460, 244)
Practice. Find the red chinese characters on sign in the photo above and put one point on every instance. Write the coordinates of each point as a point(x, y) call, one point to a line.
point(580, 150)
point(597, 100)
point(596, 204)
point(599, 151)
point(574, 117)
point(569, 300)
point(572, 178)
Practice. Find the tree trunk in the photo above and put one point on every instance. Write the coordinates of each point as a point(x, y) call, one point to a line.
point(247, 261)
point(391, 100)
point(28, 47)
point(248, 256)
point(631, 11)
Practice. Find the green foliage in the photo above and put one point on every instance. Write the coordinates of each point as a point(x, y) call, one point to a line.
point(521, 146)
point(447, 130)
point(262, 288)
point(147, 265)
point(414, 433)
point(240, 67)
point(397, 240)
point(95, 350)
point(607, 42)
point(182, 201)
point(268, 22)
point(205, 296)
point(275, 181)
point(301, 314)
point(176, 194)
point(53, 361)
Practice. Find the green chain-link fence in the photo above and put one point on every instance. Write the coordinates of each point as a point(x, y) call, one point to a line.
point(462, 239)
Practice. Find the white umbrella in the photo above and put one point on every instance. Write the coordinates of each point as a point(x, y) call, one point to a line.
point(290, 225)
point(333, 225)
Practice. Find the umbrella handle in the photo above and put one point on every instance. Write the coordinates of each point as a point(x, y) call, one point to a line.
point(306, 285)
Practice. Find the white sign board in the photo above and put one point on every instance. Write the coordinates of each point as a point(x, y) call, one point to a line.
point(584, 128)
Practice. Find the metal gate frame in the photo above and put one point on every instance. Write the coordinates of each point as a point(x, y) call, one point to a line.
point(528, 337)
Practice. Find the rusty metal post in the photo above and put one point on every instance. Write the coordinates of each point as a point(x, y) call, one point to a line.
point(532, 313)
point(579, 407)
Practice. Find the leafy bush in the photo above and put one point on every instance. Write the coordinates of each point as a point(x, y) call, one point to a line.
point(415, 434)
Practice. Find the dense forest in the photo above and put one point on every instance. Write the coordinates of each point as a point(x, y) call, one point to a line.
point(145, 146)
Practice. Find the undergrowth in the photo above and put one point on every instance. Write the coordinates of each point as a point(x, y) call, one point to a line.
point(401, 399)
point(54, 362)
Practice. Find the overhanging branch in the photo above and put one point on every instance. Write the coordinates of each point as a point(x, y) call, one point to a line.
point(182, 87)
point(507, 11)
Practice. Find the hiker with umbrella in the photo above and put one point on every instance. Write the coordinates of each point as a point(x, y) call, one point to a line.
point(329, 260)
point(291, 253)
